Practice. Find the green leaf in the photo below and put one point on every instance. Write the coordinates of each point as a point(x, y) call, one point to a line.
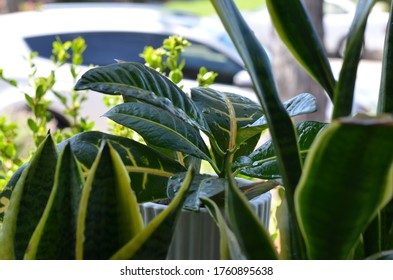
point(213, 187)
point(296, 30)
point(262, 163)
point(160, 128)
point(154, 240)
point(303, 103)
point(109, 214)
point(32, 124)
point(55, 235)
point(196, 188)
point(138, 81)
point(225, 114)
point(28, 200)
point(253, 238)
point(229, 247)
point(344, 91)
point(149, 170)
point(385, 101)
point(346, 181)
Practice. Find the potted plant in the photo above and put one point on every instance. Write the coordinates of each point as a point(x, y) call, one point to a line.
point(171, 123)
point(338, 191)
point(333, 188)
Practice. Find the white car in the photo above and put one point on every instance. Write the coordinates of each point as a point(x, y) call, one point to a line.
point(338, 17)
point(111, 31)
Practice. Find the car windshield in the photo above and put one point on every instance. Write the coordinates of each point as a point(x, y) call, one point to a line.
point(105, 48)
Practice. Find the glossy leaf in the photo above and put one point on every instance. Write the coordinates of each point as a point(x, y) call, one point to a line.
point(138, 81)
point(225, 114)
point(28, 200)
point(192, 201)
point(303, 103)
point(108, 215)
point(148, 169)
point(262, 163)
point(339, 193)
point(296, 30)
point(160, 128)
point(213, 187)
point(55, 235)
point(344, 91)
point(154, 240)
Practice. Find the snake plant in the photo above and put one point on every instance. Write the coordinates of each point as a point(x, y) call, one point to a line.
point(338, 196)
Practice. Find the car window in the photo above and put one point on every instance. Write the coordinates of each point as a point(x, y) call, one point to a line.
point(104, 47)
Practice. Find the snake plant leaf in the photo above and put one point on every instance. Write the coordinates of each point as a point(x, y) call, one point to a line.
point(225, 114)
point(137, 81)
point(108, 215)
point(296, 30)
point(55, 235)
point(385, 100)
point(229, 247)
point(149, 170)
point(262, 163)
point(160, 128)
point(347, 179)
point(344, 91)
point(28, 200)
point(154, 240)
point(253, 238)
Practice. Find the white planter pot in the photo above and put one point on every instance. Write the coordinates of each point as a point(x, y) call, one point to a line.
point(196, 235)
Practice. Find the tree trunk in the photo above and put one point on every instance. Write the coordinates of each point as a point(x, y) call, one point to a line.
point(291, 78)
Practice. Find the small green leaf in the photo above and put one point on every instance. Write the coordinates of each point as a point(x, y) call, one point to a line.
point(33, 125)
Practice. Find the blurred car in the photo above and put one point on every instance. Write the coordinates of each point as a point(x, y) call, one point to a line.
point(338, 17)
point(112, 32)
